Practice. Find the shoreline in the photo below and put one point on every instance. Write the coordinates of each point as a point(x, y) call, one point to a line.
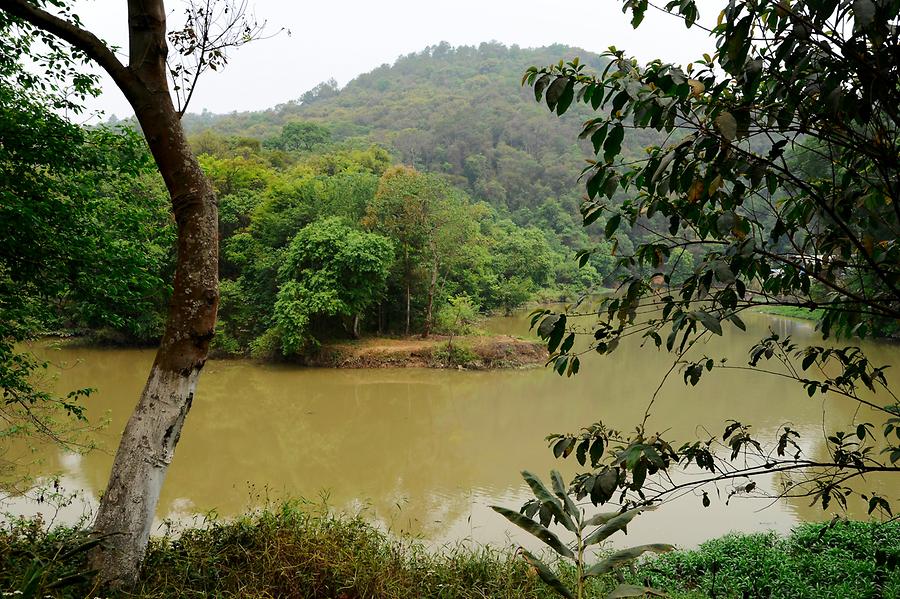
point(466, 352)
point(459, 352)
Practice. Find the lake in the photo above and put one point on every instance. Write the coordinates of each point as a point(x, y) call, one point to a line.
point(425, 452)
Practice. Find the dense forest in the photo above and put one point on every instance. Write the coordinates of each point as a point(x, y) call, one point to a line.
point(409, 200)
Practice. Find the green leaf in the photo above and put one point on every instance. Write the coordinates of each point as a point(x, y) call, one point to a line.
point(663, 164)
point(808, 360)
point(556, 337)
point(613, 144)
point(709, 321)
point(555, 91)
point(727, 125)
point(546, 498)
point(536, 529)
point(547, 325)
point(581, 452)
point(599, 136)
point(565, 100)
point(596, 451)
point(599, 519)
point(723, 272)
point(619, 522)
point(559, 488)
point(625, 556)
point(540, 85)
point(547, 575)
point(612, 224)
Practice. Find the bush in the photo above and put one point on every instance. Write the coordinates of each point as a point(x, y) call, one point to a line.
point(457, 317)
point(453, 354)
point(817, 561)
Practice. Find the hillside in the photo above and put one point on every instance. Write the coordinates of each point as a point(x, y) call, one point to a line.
point(457, 111)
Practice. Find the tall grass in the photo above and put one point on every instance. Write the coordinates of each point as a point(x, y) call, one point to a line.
point(296, 550)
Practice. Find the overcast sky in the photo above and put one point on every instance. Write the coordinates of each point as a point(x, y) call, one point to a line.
point(345, 38)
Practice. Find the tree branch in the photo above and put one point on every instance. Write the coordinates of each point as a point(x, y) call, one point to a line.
point(83, 40)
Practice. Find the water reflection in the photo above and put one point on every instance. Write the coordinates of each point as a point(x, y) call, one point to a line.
point(425, 452)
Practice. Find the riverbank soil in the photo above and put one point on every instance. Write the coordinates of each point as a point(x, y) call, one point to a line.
point(471, 352)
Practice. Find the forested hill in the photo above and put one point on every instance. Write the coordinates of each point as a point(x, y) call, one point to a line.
point(458, 111)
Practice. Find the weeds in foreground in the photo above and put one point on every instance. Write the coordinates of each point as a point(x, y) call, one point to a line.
point(299, 551)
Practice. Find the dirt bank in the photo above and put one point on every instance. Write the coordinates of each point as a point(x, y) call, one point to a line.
point(479, 352)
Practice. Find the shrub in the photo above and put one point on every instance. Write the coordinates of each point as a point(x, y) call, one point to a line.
point(457, 317)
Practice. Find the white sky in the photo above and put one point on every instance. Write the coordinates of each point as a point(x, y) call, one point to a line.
point(345, 38)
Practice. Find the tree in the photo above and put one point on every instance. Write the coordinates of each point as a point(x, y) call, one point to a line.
point(300, 135)
point(127, 507)
point(429, 221)
point(330, 269)
point(452, 224)
point(775, 163)
point(522, 263)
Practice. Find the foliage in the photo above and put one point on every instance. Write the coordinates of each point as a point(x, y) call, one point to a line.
point(558, 507)
point(432, 223)
point(295, 550)
point(774, 167)
point(42, 564)
point(454, 354)
point(84, 243)
point(329, 269)
point(299, 135)
point(457, 317)
point(449, 111)
point(827, 561)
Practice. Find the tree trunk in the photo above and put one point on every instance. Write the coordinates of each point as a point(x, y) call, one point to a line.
point(408, 277)
point(126, 510)
point(429, 306)
point(407, 308)
point(356, 326)
point(128, 506)
point(381, 318)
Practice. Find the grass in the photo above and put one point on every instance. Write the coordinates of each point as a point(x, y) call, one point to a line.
point(792, 312)
point(293, 552)
point(289, 552)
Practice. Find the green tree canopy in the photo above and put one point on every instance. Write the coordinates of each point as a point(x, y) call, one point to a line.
point(330, 269)
point(300, 135)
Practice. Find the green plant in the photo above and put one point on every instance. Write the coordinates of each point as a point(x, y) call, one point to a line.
point(817, 561)
point(448, 353)
point(559, 507)
point(43, 562)
point(458, 316)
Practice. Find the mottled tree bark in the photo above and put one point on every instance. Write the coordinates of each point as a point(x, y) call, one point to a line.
point(432, 286)
point(127, 508)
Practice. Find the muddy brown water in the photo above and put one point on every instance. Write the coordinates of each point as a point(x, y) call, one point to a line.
point(425, 452)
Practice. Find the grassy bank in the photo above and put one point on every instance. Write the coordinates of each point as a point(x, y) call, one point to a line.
point(791, 312)
point(292, 553)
